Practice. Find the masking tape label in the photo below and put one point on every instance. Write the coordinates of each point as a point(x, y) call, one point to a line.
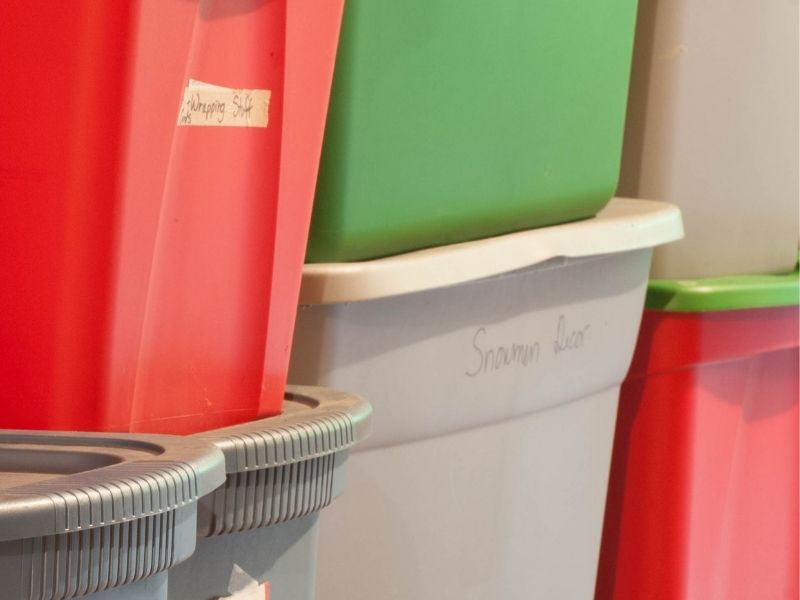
point(207, 105)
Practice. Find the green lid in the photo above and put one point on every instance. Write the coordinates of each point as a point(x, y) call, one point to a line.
point(724, 293)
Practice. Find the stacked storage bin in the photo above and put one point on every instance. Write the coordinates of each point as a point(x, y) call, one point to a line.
point(450, 121)
point(703, 500)
point(157, 217)
point(712, 127)
point(458, 277)
point(103, 516)
point(258, 532)
point(494, 369)
point(156, 222)
point(144, 517)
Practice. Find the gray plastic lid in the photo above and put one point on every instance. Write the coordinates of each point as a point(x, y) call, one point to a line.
point(54, 483)
point(315, 422)
point(284, 467)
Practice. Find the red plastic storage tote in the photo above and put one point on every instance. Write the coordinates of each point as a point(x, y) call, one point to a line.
point(157, 220)
point(703, 493)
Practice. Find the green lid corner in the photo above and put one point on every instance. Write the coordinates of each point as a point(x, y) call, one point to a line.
point(724, 293)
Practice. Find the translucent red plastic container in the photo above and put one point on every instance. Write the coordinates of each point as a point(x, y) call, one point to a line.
point(152, 268)
point(703, 494)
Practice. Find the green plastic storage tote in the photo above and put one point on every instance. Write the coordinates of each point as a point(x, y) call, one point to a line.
point(453, 120)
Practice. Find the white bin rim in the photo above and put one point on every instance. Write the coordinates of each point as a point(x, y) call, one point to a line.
point(624, 224)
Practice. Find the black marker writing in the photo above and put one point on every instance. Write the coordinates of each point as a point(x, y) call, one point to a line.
point(492, 359)
point(566, 339)
point(210, 110)
point(242, 106)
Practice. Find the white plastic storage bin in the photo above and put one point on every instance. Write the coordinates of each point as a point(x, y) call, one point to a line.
point(712, 126)
point(102, 516)
point(257, 533)
point(493, 368)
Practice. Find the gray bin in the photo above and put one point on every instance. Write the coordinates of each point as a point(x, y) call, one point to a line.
point(98, 515)
point(261, 526)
